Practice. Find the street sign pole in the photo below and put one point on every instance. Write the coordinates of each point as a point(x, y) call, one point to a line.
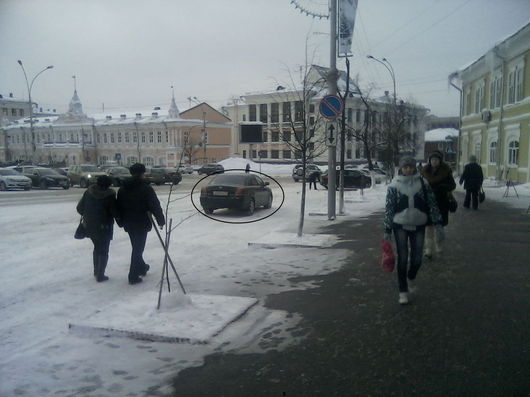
point(332, 90)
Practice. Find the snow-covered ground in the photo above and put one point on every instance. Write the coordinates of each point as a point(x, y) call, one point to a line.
point(48, 284)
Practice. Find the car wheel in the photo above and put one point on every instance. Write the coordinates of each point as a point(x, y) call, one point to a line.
point(269, 203)
point(199, 172)
point(251, 207)
point(3, 186)
point(295, 179)
point(208, 211)
point(299, 172)
point(66, 187)
point(83, 183)
point(43, 185)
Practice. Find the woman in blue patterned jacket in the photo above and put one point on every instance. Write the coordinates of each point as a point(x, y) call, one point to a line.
point(410, 207)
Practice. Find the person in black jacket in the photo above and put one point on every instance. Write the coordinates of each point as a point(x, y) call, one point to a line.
point(136, 199)
point(314, 177)
point(98, 209)
point(440, 177)
point(472, 177)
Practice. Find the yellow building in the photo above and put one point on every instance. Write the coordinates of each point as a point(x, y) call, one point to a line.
point(495, 109)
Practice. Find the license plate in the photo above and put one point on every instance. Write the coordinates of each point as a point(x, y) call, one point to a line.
point(220, 193)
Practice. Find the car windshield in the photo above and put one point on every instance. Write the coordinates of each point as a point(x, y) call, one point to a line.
point(229, 180)
point(89, 168)
point(48, 171)
point(9, 172)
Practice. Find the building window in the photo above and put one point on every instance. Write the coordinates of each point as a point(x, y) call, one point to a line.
point(148, 161)
point(21, 112)
point(13, 112)
point(496, 92)
point(159, 136)
point(275, 154)
point(493, 152)
point(348, 154)
point(275, 136)
point(358, 116)
point(312, 120)
point(132, 160)
point(254, 154)
point(252, 113)
point(468, 103)
point(479, 99)
point(263, 113)
point(127, 137)
point(4, 111)
point(298, 111)
point(311, 108)
point(244, 154)
point(135, 137)
point(263, 154)
point(151, 137)
point(513, 152)
point(112, 138)
point(275, 112)
point(265, 136)
point(519, 84)
point(105, 138)
point(286, 110)
point(143, 137)
point(287, 136)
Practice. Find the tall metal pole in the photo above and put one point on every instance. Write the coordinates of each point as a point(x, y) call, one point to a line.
point(332, 90)
point(31, 122)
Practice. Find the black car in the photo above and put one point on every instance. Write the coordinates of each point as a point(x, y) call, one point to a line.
point(47, 177)
point(236, 191)
point(118, 175)
point(211, 168)
point(352, 179)
point(172, 175)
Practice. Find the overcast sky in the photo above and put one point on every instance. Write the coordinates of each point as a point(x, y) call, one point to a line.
point(126, 54)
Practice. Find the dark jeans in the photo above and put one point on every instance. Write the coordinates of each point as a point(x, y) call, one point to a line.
point(100, 255)
point(314, 184)
point(416, 239)
point(138, 240)
point(471, 195)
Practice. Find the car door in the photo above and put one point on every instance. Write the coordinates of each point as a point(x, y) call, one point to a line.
point(75, 173)
point(261, 193)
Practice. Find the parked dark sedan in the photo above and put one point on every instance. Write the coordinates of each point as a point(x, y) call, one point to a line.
point(236, 191)
point(47, 177)
point(352, 179)
point(172, 175)
point(118, 175)
point(211, 168)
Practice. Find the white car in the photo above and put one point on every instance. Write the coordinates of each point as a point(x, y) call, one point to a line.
point(185, 169)
point(11, 179)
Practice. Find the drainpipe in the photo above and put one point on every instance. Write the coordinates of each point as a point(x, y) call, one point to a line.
point(500, 141)
point(459, 124)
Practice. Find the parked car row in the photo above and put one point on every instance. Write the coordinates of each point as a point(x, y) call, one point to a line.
point(26, 177)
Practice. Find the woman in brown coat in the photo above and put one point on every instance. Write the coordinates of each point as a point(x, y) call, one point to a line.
point(440, 177)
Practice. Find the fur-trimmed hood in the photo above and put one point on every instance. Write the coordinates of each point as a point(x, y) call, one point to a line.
point(98, 194)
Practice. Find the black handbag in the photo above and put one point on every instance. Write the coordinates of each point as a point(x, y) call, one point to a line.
point(452, 204)
point(80, 232)
point(481, 195)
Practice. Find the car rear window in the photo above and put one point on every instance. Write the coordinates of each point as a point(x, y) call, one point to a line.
point(229, 180)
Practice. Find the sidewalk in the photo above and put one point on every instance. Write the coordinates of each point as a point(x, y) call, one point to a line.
point(467, 332)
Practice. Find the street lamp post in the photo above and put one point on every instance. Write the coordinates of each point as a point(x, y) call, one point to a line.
point(30, 86)
point(390, 69)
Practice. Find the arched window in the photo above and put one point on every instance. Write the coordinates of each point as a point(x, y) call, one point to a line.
point(493, 152)
point(148, 161)
point(513, 152)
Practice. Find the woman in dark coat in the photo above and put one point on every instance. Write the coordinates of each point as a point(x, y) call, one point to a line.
point(440, 177)
point(98, 208)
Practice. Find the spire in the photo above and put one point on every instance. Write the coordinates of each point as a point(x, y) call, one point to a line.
point(76, 107)
point(173, 112)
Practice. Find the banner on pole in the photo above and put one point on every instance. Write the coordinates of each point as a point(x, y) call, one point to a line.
point(347, 11)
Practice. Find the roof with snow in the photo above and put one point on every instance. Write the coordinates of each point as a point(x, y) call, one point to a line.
point(440, 134)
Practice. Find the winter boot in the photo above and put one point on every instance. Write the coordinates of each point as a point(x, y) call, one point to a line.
point(403, 298)
point(101, 269)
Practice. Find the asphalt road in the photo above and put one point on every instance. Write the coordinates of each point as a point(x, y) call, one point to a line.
point(466, 333)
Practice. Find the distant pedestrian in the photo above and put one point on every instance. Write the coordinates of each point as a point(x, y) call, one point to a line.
point(314, 177)
point(136, 200)
point(247, 168)
point(440, 176)
point(472, 177)
point(98, 209)
point(410, 205)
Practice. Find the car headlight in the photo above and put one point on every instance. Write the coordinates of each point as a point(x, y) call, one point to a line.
point(89, 176)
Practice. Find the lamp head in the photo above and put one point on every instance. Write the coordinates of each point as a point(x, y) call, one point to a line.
point(369, 57)
point(50, 67)
point(19, 62)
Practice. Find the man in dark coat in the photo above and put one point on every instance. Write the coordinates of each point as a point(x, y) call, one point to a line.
point(472, 177)
point(136, 199)
point(98, 209)
point(314, 177)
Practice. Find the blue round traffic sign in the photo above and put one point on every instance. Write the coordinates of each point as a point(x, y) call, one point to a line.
point(331, 107)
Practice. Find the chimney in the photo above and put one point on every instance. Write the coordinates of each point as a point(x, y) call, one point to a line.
point(138, 116)
point(109, 118)
point(154, 115)
point(10, 95)
point(123, 117)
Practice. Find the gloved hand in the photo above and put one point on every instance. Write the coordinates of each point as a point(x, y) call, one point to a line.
point(387, 236)
point(440, 232)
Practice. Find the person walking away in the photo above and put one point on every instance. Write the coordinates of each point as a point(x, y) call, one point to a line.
point(247, 168)
point(472, 177)
point(440, 177)
point(98, 209)
point(314, 177)
point(410, 205)
point(136, 199)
